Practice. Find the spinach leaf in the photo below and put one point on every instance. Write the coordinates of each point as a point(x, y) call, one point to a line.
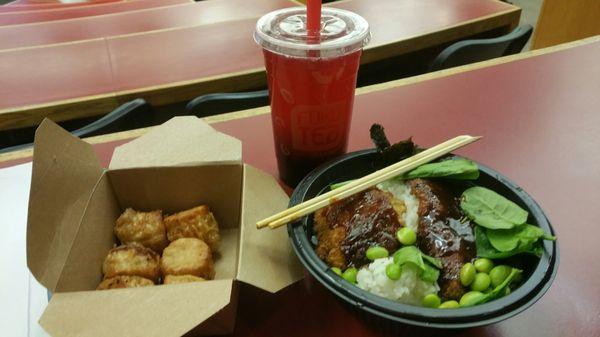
point(519, 237)
point(434, 261)
point(537, 249)
point(428, 266)
point(461, 169)
point(340, 184)
point(491, 210)
point(409, 254)
point(429, 273)
point(503, 240)
point(453, 168)
point(466, 176)
point(485, 248)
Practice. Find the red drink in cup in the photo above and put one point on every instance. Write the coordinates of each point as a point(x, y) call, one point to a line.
point(311, 85)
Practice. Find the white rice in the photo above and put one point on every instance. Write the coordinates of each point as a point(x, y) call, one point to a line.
point(409, 289)
point(401, 191)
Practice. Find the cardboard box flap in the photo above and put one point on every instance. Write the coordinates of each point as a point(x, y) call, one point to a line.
point(266, 257)
point(180, 140)
point(65, 171)
point(148, 311)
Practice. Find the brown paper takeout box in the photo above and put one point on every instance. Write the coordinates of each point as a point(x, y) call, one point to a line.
point(183, 163)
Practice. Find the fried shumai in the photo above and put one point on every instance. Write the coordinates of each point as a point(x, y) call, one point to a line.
point(124, 281)
point(132, 260)
point(197, 222)
point(145, 228)
point(187, 256)
point(177, 279)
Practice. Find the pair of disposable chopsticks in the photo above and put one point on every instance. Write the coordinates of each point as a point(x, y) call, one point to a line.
point(359, 185)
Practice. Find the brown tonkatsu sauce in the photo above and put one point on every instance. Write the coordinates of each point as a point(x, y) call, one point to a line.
point(441, 232)
point(367, 218)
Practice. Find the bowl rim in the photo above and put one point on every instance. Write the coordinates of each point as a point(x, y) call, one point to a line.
point(517, 301)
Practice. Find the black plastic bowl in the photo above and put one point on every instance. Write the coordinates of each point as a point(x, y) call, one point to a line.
point(538, 273)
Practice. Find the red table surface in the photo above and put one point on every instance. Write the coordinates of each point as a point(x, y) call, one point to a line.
point(540, 122)
point(87, 63)
point(409, 18)
point(32, 6)
point(53, 2)
point(182, 15)
point(104, 66)
point(16, 18)
point(186, 54)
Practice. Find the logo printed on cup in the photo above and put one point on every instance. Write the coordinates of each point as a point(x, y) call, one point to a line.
point(317, 127)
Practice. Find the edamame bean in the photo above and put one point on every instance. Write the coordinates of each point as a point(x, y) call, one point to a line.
point(483, 265)
point(406, 236)
point(499, 273)
point(481, 282)
point(350, 275)
point(376, 252)
point(467, 274)
point(449, 305)
point(471, 298)
point(393, 271)
point(336, 270)
point(431, 301)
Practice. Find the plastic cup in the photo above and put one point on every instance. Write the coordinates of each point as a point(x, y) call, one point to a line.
point(311, 84)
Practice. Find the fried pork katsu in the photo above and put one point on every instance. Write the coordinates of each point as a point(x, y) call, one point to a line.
point(178, 279)
point(348, 227)
point(188, 256)
point(145, 228)
point(442, 234)
point(132, 260)
point(124, 281)
point(198, 222)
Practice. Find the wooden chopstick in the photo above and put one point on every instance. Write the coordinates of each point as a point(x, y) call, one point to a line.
point(365, 182)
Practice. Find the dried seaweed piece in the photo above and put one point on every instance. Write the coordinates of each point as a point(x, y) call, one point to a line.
point(379, 138)
point(390, 154)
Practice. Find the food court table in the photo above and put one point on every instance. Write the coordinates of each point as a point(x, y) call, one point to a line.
point(24, 6)
point(92, 77)
point(63, 13)
point(538, 114)
point(136, 21)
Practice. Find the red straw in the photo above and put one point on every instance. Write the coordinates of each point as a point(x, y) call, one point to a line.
point(313, 24)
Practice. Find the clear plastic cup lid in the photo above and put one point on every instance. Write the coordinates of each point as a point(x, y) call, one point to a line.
point(284, 31)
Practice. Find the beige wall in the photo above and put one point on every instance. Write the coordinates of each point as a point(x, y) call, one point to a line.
point(566, 20)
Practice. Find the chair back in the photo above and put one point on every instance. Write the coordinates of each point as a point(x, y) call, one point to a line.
point(224, 102)
point(126, 117)
point(471, 51)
